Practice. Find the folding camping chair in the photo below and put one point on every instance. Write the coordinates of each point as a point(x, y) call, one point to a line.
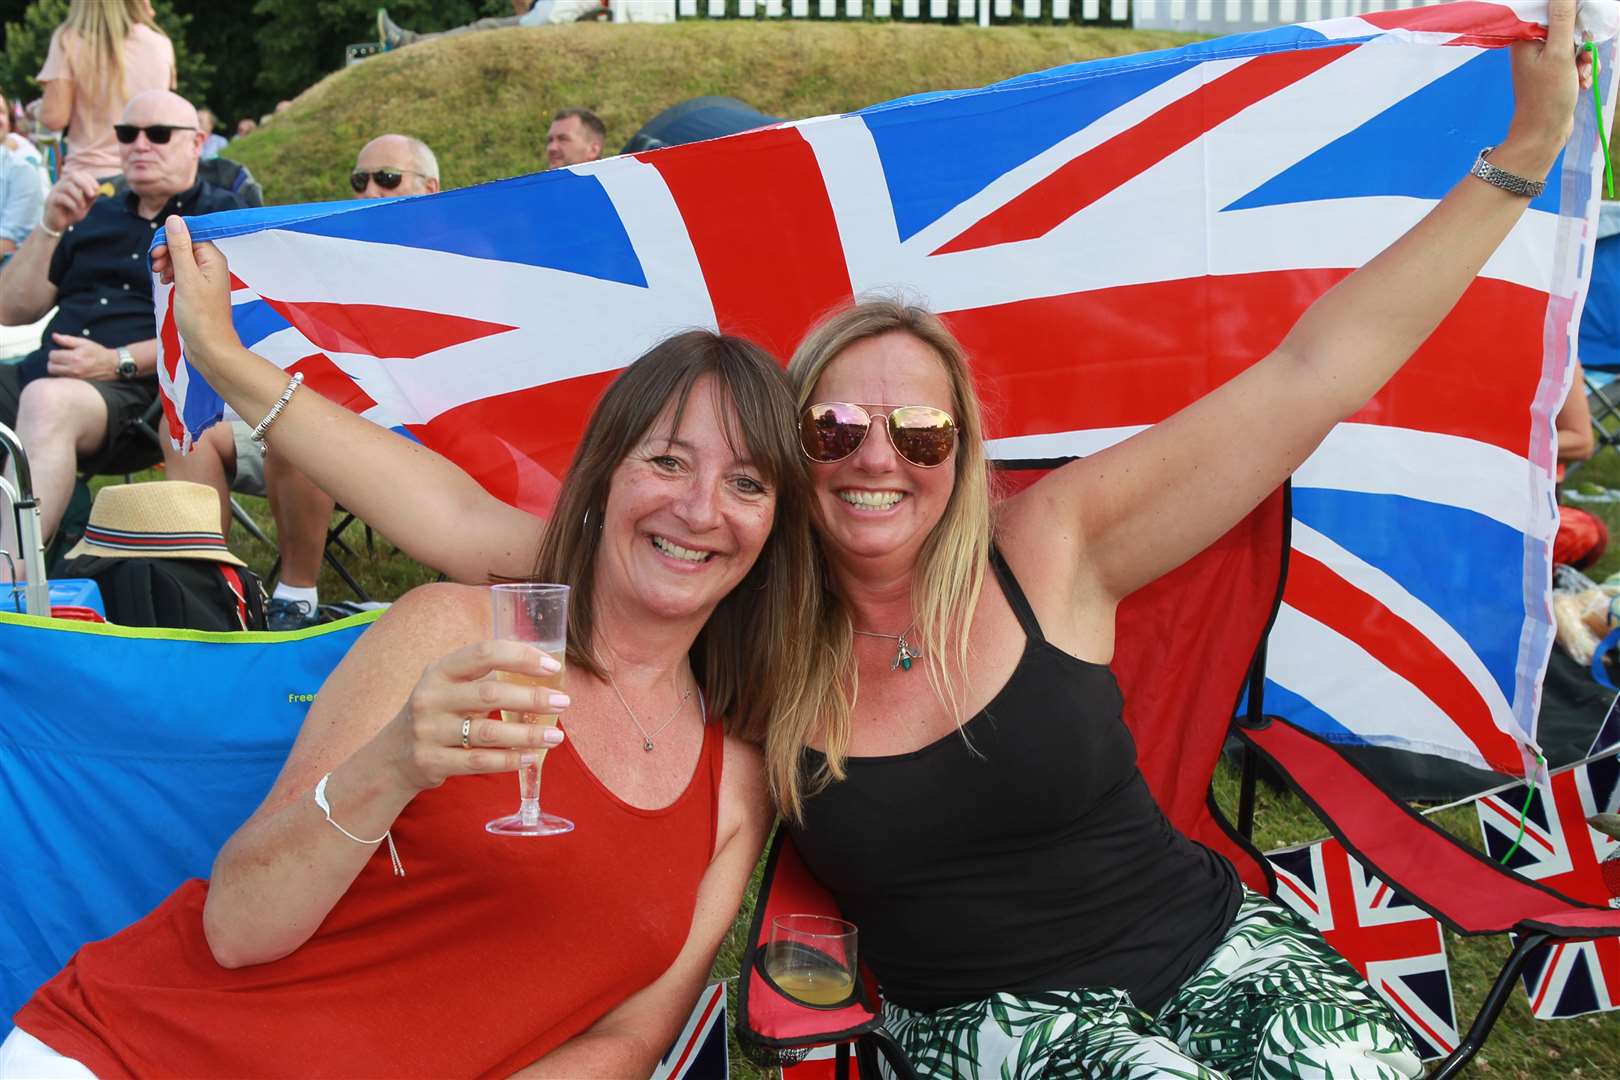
point(1182, 684)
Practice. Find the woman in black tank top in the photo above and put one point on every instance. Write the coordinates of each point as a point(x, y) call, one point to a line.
point(961, 778)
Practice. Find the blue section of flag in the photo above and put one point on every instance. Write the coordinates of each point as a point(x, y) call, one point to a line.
point(256, 320)
point(164, 800)
point(560, 220)
point(1281, 701)
point(930, 167)
point(1466, 567)
point(1459, 113)
point(203, 405)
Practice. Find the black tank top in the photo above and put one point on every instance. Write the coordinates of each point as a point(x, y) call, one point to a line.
point(1028, 856)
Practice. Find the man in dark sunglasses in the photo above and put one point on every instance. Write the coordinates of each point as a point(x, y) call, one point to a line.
point(74, 401)
point(394, 165)
point(388, 165)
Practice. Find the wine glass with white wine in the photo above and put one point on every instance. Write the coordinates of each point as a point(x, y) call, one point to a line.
point(811, 959)
point(536, 615)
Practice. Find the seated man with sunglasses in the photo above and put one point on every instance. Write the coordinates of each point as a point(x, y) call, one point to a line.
point(388, 165)
point(73, 400)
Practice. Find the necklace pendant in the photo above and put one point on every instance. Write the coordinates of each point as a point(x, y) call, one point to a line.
point(903, 656)
point(647, 744)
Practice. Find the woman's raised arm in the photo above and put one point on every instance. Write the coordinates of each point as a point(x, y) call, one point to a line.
point(1142, 507)
point(421, 501)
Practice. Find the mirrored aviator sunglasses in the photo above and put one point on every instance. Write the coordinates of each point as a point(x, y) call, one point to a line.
point(387, 179)
point(921, 434)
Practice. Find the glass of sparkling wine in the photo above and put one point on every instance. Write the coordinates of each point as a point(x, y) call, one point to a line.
point(811, 958)
point(536, 615)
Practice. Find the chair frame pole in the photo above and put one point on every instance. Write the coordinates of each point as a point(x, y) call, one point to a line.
point(1480, 1030)
point(30, 534)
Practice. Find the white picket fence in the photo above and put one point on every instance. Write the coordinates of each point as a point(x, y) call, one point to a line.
point(1199, 16)
point(983, 12)
point(1237, 16)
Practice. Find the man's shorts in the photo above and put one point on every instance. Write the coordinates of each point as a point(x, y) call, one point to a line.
point(124, 449)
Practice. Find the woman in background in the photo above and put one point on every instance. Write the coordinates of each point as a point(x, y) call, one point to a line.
point(103, 54)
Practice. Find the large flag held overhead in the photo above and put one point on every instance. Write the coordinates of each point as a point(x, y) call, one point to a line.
point(1110, 240)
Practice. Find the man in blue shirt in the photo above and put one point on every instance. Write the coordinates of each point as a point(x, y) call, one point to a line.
point(73, 400)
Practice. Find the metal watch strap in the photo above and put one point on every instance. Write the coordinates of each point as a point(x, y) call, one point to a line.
point(1509, 182)
point(126, 363)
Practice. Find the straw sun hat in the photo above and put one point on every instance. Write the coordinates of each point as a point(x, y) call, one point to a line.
point(160, 519)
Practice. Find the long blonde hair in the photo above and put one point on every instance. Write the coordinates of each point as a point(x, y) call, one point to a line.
point(101, 28)
point(947, 581)
point(748, 654)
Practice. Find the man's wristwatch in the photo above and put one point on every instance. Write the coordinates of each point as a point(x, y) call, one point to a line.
point(126, 364)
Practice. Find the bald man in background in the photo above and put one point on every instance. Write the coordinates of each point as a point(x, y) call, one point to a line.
point(73, 399)
point(389, 165)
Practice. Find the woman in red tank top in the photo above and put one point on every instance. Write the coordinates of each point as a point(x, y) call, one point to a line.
point(311, 951)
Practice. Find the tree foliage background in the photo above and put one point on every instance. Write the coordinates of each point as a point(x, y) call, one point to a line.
point(239, 57)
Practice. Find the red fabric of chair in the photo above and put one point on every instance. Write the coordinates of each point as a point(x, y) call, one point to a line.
point(767, 1018)
point(1454, 883)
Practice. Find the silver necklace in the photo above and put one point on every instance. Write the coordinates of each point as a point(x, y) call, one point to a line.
point(646, 738)
point(904, 654)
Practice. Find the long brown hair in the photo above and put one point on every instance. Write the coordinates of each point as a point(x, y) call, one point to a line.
point(101, 27)
point(950, 570)
point(749, 654)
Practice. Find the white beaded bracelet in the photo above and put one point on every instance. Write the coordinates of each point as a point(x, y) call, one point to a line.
point(326, 808)
point(275, 410)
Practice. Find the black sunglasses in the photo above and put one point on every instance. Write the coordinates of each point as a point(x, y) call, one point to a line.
point(156, 134)
point(387, 179)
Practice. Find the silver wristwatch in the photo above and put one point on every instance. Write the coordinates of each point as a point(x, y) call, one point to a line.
point(126, 364)
point(1510, 182)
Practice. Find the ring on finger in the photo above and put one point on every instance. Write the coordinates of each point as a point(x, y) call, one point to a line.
point(466, 733)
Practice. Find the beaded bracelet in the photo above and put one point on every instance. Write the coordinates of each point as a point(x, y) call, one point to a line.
point(275, 410)
point(326, 808)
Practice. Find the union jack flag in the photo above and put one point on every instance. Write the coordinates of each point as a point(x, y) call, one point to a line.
point(1110, 239)
point(1395, 944)
point(700, 1051)
point(1560, 850)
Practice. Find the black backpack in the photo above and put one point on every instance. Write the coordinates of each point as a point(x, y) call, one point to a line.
point(190, 594)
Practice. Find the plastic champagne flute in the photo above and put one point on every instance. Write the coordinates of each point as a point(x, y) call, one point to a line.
point(536, 615)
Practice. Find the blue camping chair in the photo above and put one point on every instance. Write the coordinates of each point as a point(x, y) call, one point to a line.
point(127, 758)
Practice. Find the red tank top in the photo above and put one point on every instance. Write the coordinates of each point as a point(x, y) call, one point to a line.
point(491, 952)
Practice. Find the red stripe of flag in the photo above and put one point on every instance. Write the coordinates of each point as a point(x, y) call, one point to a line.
point(1358, 942)
point(697, 1034)
point(1110, 357)
point(1315, 590)
point(376, 330)
point(1510, 815)
point(1389, 994)
point(539, 428)
point(1547, 971)
point(1479, 24)
point(169, 336)
point(770, 253)
point(1102, 169)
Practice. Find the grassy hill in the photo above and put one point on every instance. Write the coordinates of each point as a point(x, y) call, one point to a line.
point(483, 101)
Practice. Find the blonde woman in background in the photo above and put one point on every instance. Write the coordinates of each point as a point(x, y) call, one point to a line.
point(103, 54)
